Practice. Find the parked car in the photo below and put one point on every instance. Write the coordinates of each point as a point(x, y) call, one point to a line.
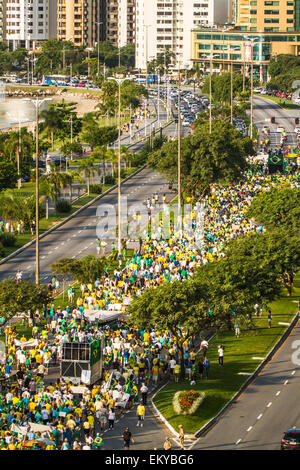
point(291, 440)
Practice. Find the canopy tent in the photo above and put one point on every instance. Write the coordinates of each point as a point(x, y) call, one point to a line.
point(103, 316)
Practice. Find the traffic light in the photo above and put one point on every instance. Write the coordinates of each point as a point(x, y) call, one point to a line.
point(296, 120)
point(272, 120)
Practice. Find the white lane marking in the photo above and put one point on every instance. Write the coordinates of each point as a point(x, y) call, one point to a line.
point(294, 372)
point(286, 382)
point(269, 404)
point(56, 248)
point(249, 429)
point(50, 252)
point(237, 442)
point(29, 267)
point(277, 393)
point(259, 416)
point(43, 257)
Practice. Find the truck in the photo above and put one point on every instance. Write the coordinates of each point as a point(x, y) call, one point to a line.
point(82, 362)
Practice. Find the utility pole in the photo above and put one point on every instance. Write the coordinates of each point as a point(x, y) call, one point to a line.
point(37, 103)
point(179, 154)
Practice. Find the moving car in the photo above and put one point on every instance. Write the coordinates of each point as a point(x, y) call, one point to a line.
point(291, 440)
point(280, 129)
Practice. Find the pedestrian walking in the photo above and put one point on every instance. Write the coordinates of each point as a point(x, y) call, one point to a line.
point(144, 392)
point(181, 436)
point(204, 347)
point(167, 444)
point(206, 365)
point(127, 438)
point(140, 414)
point(221, 355)
point(269, 318)
point(237, 329)
point(111, 418)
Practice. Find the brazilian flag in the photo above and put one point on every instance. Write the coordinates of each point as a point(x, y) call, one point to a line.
point(135, 392)
point(113, 383)
point(128, 387)
point(95, 351)
point(275, 160)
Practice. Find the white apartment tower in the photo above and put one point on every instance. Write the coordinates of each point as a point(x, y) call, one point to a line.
point(29, 21)
point(163, 24)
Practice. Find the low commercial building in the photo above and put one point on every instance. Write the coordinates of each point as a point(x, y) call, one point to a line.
point(233, 46)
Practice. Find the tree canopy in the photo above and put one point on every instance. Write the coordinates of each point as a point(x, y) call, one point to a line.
point(219, 157)
point(20, 297)
point(279, 207)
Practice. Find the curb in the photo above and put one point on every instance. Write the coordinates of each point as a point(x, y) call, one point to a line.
point(60, 224)
point(214, 420)
point(267, 359)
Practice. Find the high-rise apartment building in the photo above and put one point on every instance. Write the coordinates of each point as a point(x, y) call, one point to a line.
point(2, 20)
point(120, 22)
point(167, 24)
point(81, 21)
point(268, 15)
point(29, 21)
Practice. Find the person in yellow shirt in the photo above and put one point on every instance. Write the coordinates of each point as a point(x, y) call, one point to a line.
point(140, 414)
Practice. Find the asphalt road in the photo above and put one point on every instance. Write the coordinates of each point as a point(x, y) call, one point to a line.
point(264, 109)
point(268, 407)
point(78, 236)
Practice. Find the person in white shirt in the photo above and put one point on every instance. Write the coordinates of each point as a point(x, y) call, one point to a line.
point(221, 355)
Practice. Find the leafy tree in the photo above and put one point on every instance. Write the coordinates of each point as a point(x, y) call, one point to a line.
point(279, 207)
point(97, 136)
point(8, 175)
point(234, 284)
point(86, 269)
point(219, 157)
point(179, 307)
point(88, 170)
point(20, 297)
point(283, 251)
point(221, 86)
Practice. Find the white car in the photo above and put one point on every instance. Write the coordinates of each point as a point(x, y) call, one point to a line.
point(257, 90)
point(280, 129)
point(297, 129)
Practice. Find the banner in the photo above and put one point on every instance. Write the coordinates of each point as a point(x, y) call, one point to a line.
point(26, 344)
point(95, 352)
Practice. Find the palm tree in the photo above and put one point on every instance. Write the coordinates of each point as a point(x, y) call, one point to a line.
point(18, 145)
point(47, 191)
point(98, 153)
point(112, 156)
point(126, 155)
point(88, 170)
point(50, 117)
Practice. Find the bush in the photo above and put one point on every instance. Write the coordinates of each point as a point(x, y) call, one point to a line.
point(7, 239)
point(63, 206)
point(96, 188)
point(109, 179)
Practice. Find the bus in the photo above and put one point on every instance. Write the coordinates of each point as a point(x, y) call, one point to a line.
point(59, 80)
point(143, 78)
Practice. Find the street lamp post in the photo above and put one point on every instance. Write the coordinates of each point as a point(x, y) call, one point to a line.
point(179, 155)
point(98, 23)
point(37, 104)
point(119, 81)
point(252, 41)
point(210, 88)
